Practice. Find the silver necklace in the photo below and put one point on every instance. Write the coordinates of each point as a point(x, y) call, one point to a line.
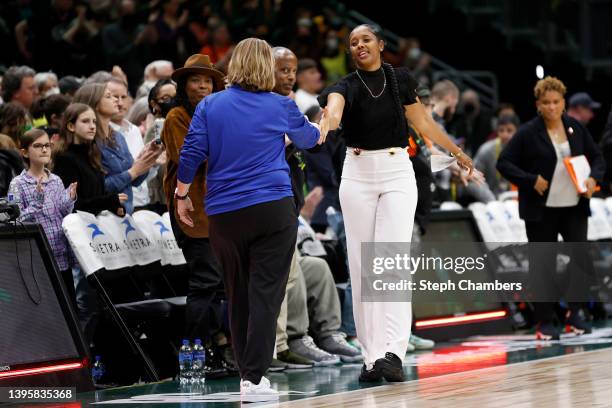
point(369, 90)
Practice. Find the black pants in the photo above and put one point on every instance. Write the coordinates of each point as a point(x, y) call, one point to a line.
point(203, 315)
point(255, 246)
point(571, 223)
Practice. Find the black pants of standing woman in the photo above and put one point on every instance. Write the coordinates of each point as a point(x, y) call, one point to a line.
point(254, 246)
point(572, 224)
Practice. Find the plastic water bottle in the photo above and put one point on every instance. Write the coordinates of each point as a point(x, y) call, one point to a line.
point(98, 371)
point(185, 363)
point(199, 360)
point(13, 195)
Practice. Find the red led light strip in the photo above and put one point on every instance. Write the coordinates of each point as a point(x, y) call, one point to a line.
point(472, 318)
point(42, 369)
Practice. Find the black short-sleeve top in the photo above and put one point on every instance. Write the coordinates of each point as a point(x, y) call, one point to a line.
point(373, 123)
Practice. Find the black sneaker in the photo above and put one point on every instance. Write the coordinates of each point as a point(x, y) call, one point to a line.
point(371, 375)
point(213, 367)
point(391, 367)
point(547, 331)
point(228, 361)
point(576, 324)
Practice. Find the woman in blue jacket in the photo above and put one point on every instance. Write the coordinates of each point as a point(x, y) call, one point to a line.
point(253, 219)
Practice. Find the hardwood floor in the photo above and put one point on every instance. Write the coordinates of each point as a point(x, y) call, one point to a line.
point(573, 380)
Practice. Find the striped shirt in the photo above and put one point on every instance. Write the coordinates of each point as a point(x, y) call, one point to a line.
point(47, 208)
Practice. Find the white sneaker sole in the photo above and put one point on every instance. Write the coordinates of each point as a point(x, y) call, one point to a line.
point(258, 397)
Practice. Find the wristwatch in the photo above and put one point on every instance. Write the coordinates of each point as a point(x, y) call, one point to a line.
point(180, 197)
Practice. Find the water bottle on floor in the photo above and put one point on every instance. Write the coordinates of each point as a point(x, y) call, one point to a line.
point(199, 360)
point(185, 363)
point(97, 371)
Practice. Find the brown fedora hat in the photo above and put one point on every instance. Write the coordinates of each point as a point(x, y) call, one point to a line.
point(200, 64)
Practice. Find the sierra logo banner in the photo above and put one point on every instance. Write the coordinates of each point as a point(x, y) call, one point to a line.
point(111, 242)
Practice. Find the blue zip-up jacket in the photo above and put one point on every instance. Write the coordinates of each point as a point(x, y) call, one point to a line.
point(242, 135)
point(117, 161)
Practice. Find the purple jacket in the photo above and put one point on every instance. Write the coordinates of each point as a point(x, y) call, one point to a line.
point(47, 208)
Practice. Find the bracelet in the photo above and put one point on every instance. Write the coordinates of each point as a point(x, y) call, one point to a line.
point(458, 154)
point(180, 197)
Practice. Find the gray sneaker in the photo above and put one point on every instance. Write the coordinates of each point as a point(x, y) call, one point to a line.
point(293, 360)
point(337, 344)
point(306, 347)
point(420, 343)
point(277, 366)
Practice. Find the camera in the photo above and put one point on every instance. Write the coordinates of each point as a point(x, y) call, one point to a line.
point(8, 211)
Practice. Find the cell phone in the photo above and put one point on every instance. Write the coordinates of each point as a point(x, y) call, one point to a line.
point(157, 141)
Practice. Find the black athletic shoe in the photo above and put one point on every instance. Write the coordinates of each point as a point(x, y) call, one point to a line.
point(372, 375)
point(391, 367)
point(547, 331)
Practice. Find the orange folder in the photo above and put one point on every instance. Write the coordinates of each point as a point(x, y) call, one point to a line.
point(579, 170)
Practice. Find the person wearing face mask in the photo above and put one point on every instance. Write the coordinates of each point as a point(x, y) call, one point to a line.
point(334, 58)
point(162, 98)
point(473, 122)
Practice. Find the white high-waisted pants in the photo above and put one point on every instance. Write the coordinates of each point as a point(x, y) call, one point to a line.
point(378, 195)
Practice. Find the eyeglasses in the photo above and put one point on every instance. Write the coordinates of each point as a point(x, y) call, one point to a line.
point(41, 146)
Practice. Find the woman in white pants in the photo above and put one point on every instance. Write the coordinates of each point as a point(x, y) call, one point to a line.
point(378, 192)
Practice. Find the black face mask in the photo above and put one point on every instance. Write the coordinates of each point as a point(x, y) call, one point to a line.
point(164, 107)
point(447, 115)
point(469, 108)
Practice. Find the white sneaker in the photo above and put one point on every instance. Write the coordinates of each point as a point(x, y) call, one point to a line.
point(250, 392)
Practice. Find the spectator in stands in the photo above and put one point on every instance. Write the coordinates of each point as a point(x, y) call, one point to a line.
point(156, 70)
point(128, 42)
point(11, 163)
point(18, 86)
point(248, 182)
point(581, 107)
point(133, 138)
point(46, 82)
point(606, 147)
point(195, 80)
point(548, 200)
point(44, 200)
point(161, 99)
point(309, 84)
point(14, 120)
point(169, 18)
point(47, 114)
point(220, 47)
point(309, 278)
point(378, 192)
point(334, 57)
point(486, 158)
point(473, 122)
point(415, 59)
point(122, 171)
point(79, 161)
point(68, 85)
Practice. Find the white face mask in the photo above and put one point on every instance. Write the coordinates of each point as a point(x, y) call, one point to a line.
point(53, 91)
point(414, 53)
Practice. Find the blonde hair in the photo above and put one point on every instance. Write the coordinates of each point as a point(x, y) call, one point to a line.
point(252, 65)
point(548, 84)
